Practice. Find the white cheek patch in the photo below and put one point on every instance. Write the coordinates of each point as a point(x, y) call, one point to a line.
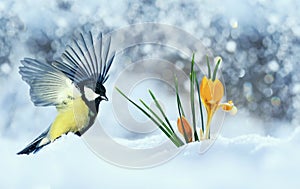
point(90, 94)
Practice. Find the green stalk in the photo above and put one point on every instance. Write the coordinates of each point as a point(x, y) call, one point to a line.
point(208, 67)
point(216, 69)
point(180, 110)
point(157, 117)
point(177, 140)
point(192, 87)
point(200, 105)
point(172, 136)
point(161, 110)
point(177, 96)
point(148, 115)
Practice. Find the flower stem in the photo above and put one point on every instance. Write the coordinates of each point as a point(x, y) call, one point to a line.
point(192, 96)
point(207, 128)
point(200, 108)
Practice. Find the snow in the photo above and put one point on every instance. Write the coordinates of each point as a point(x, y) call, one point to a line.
point(245, 161)
point(257, 148)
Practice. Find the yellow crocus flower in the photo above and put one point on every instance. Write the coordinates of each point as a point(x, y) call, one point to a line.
point(211, 93)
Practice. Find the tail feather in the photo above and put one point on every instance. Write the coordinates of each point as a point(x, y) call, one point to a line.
point(36, 145)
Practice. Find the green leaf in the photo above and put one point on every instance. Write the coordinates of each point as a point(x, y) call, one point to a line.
point(176, 140)
point(177, 96)
point(161, 110)
point(180, 110)
point(172, 136)
point(141, 109)
point(157, 117)
point(216, 69)
point(192, 96)
point(200, 104)
point(208, 67)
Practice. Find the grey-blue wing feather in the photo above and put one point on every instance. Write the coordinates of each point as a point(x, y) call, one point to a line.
point(87, 59)
point(48, 85)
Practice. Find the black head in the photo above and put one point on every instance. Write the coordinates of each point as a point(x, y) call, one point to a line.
point(92, 92)
point(100, 89)
point(93, 95)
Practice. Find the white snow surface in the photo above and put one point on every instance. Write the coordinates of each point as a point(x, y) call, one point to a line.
point(249, 160)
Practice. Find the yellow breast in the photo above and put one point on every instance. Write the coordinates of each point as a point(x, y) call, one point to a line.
point(73, 117)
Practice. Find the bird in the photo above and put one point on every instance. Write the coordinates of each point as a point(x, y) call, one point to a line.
point(74, 84)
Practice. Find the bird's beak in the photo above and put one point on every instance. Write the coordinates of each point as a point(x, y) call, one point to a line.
point(104, 98)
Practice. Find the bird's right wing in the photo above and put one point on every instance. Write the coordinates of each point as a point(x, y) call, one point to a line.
point(87, 59)
point(48, 85)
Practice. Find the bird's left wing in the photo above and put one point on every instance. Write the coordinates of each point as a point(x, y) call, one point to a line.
point(48, 85)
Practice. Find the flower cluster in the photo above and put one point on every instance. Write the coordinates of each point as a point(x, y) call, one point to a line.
point(211, 93)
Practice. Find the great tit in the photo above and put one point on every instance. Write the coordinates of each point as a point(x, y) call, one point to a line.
point(73, 84)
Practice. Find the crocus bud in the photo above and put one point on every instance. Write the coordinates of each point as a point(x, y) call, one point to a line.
point(184, 127)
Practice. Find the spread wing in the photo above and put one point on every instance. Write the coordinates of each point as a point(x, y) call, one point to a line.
point(48, 85)
point(87, 59)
